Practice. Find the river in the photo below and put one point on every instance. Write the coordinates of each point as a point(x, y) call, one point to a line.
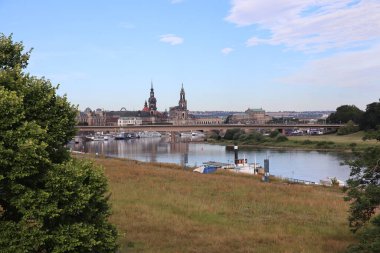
point(304, 165)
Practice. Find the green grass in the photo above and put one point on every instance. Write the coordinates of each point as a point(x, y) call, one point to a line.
point(310, 142)
point(162, 208)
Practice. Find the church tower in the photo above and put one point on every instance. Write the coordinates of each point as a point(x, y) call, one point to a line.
point(179, 114)
point(152, 101)
point(182, 100)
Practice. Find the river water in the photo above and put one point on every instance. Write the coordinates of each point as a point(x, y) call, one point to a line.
point(304, 165)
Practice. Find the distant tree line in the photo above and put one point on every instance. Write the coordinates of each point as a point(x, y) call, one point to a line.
point(367, 120)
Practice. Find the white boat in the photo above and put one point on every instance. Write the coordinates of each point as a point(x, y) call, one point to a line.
point(197, 134)
point(148, 134)
point(185, 134)
point(242, 166)
point(96, 138)
point(206, 169)
point(123, 136)
point(192, 134)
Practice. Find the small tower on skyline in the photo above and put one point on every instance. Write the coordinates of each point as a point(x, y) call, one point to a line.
point(146, 108)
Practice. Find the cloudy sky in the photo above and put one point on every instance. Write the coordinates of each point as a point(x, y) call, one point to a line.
point(229, 55)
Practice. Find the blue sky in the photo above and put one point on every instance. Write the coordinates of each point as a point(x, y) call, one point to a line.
point(230, 55)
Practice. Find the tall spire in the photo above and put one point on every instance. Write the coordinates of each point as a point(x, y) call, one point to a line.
point(182, 100)
point(152, 100)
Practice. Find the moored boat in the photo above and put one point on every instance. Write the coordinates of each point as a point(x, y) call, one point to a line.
point(206, 169)
point(148, 134)
point(122, 136)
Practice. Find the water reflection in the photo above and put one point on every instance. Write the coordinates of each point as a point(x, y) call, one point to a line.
point(306, 165)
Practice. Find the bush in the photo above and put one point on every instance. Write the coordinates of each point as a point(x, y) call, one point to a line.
point(237, 135)
point(353, 144)
point(256, 136)
point(307, 142)
point(349, 128)
point(325, 144)
point(281, 138)
point(230, 133)
point(274, 134)
point(369, 239)
point(214, 134)
point(243, 137)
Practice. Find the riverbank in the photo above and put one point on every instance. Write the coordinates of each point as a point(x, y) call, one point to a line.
point(163, 208)
point(328, 142)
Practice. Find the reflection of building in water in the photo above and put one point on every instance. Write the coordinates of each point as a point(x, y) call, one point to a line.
point(145, 149)
point(180, 148)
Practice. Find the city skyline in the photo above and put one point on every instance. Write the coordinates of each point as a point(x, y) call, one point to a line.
point(300, 55)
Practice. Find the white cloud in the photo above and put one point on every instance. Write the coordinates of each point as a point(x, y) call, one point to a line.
point(254, 41)
point(171, 39)
point(227, 50)
point(310, 25)
point(349, 69)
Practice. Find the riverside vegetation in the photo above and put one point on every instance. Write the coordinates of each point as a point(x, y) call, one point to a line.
point(164, 208)
point(332, 141)
point(347, 138)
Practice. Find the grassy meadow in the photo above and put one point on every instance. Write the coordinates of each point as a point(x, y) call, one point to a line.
point(163, 208)
point(340, 139)
point(309, 142)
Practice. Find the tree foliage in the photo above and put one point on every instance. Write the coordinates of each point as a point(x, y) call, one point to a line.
point(49, 202)
point(348, 128)
point(364, 186)
point(369, 239)
point(233, 134)
point(363, 192)
point(371, 117)
point(372, 134)
point(344, 114)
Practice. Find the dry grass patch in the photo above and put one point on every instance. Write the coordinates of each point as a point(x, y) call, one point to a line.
point(162, 208)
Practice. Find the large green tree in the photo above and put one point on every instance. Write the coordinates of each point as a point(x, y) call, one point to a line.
point(363, 192)
point(371, 117)
point(49, 202)
point(345, 113)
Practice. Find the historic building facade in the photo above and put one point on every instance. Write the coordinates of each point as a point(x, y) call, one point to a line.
point(178, 115)
point(92, 118)
point(250, 116)
point(129, 121)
